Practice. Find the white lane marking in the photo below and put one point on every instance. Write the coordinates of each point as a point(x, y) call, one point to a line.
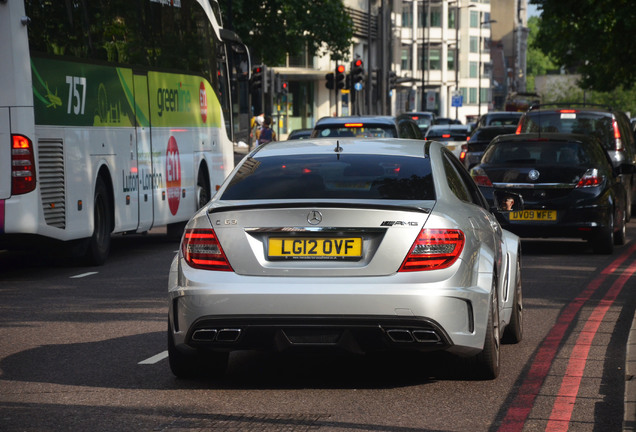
point(155, 358)
point(83, 275)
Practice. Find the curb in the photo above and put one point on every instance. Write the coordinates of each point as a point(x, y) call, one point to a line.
point(629, 418)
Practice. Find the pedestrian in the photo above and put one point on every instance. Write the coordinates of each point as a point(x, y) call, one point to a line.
point(255, 128)
point(267, 133)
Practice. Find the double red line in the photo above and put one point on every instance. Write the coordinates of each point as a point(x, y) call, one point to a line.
point(523, 403)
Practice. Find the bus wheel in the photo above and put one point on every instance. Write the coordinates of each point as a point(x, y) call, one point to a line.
point(203, 189)
point(99, 242)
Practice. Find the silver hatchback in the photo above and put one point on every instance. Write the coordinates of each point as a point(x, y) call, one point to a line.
point(355, 245)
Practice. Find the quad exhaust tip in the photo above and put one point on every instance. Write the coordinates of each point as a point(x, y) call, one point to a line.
point(409, 336)
point(216, 335)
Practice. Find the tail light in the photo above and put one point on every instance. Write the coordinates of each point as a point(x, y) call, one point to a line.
point(617, 135)
point(434, 249)
point(591, 178)
point(480, 177)
point(462, 154)
point(22, 165)
point(201, 249)
point(519, 126)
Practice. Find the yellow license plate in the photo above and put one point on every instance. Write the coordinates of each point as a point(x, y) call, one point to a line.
point(534, 215)
point(315, 248)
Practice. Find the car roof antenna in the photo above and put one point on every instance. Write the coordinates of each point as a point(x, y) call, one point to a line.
point(338, 149)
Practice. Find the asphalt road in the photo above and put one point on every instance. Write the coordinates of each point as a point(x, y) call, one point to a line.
point(83, 348)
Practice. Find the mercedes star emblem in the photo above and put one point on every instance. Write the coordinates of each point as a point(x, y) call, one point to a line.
point(314, 217)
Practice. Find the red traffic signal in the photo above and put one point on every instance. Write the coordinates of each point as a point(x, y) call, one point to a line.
point(341, 77)
point(357, 63)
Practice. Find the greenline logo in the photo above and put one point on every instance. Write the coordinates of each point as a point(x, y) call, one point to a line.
point(173, 100)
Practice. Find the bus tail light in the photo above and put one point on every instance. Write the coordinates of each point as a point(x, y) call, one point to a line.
point(434, 249)
point(201, 249)
point(22, 165)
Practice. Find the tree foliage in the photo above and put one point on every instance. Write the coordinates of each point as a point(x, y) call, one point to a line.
point(595, 38)
point(273, 28)
point(537, 62)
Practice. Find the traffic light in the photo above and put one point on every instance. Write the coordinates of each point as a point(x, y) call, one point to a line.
point(256, 80)
point(392, 80)
point(341, 78)
point(357, 72)
point(284, 87)
point(277, 84)
point(330, 81)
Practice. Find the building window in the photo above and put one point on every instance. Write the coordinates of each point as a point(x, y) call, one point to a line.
point(464, 92)
point(434, 59)
point(484, 95)
point(472, 95)
point(450, 60)
point(436, 17)
point(452, 21)
point(407, 15)
point(474, 44)
point(473, 70)
point(474, 19)
point(406, 57)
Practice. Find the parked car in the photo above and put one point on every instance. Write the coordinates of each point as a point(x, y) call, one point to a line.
point(423, 119)
point(564, 185)
point(357, 245)
point(366, 127)
point(499, 118)
point(610, 126)
point(454, 136)
point(477, 142)
point(299, 134)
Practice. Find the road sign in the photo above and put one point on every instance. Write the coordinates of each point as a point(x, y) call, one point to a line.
point(457, 100)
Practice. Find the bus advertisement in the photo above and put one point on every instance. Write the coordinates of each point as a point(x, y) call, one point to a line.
point(116, 118)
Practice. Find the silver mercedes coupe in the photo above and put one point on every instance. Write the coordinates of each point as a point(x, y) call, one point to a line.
point(359, 245)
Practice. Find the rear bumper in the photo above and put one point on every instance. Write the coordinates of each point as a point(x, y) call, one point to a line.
point(228, 312)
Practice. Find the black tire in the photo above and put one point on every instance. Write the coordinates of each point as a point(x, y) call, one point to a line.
point(99, 243)
point(485, 365)
point(174, 231)
point(196, 365)
point(514, 331)
point(619, 234)
point(203, 188)
point(603, 239)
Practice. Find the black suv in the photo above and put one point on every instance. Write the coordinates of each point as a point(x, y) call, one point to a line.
point(610, 126)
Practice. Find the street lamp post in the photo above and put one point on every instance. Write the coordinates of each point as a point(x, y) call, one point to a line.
point(481, 24)
point(457, 26)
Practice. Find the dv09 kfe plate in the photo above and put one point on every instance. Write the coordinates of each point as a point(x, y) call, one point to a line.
point(314, 248)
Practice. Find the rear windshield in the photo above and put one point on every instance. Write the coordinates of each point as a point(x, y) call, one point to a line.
point(536, 153)
point(487, 134)
point(503, 120)
point(332, 176)
point(355, 130)
point(447, 134)
point(570, 121)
